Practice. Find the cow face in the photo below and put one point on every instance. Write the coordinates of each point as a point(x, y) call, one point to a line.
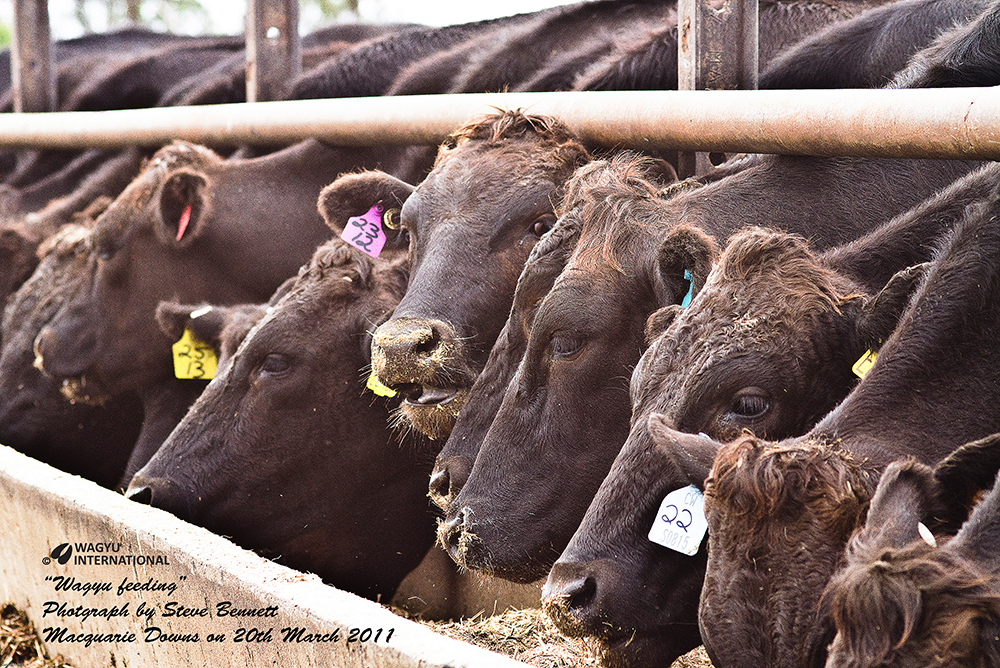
point(143, 245)
point(288, 452)
point(568, 401)
point(92, 441)
point(472, 224)
point(637, 599)
point(454, 462)
point(768, 344)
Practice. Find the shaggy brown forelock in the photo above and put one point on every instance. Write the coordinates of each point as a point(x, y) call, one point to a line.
point(922, 595)
point(784, 262)
point(494, 129)
point(757, 481)
point(617, 204)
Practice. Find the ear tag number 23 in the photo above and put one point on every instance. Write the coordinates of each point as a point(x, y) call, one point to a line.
point(680, 523)
point(365, 232)
point(193, 358)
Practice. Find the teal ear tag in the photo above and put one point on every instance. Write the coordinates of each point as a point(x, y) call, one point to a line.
point(687, 298)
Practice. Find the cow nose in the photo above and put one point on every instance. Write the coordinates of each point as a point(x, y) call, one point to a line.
point(569, 598)
point(406, 339)
point(447, 479)
point(141, 494)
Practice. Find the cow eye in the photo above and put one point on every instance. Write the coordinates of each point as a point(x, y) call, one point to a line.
point(543, 224)
point(750, 403)
point(275, 364)
point(566, 346)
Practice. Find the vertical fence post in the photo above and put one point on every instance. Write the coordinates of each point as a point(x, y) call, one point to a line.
point(32, 73)
point(273, 47)
point(716, 50)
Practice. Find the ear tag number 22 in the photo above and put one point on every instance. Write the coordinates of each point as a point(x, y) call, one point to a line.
point(365, 232)
point(680, 523)
point(193, 358)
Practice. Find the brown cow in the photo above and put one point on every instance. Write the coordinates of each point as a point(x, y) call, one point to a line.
point(908, 598)
point(598, 587)
point(469, 244)
point(775, 534)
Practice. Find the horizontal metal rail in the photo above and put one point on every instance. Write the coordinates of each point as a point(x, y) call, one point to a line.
point(933, 123)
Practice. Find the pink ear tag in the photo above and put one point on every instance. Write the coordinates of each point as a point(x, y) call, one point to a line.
point(182, 224)
point(365, 232)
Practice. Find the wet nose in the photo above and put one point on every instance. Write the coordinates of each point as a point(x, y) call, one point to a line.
point(447, 479)
point(406, 337)
point(160, 493)
point(569, 597)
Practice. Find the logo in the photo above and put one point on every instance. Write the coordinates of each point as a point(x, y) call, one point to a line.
point(61, 554)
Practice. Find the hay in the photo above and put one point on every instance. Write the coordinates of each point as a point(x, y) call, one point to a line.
point(524, 635)
point(531, 637)
point(20, 645)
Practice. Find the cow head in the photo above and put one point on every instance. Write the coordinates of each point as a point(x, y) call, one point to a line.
point(769, 343)
point(908, 598)
point(144, 244)
point(547, 260)
point(638, 599)
point(92, 441)
point(472, 223)
point(779, 516)
point(292, 400)
point(567, 404)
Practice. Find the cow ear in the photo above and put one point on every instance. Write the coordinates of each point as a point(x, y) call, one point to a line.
point(182, 206)
point(205, 322)
point(906, 495)
point(692, 454)
point(354, 194)
point(965, 475)
point(685, 259)
point(880, 314)
point(660, 320)
point(979, 538)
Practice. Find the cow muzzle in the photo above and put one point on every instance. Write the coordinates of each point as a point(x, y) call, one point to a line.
point(426, 362)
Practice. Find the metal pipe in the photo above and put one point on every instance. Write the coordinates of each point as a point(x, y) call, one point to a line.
point(937, 123)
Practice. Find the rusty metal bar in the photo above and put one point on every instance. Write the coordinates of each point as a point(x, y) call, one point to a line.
point(941, 123)
point(32, 75)
point(273, 47)
point(716, 50)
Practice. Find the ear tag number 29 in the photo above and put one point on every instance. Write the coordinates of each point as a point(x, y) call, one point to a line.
point(680, 523)
point(365, 232)
point(194, 358)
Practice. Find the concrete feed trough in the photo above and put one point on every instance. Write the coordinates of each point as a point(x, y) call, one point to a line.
point(108, 582)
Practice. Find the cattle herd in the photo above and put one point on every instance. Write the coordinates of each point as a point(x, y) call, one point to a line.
point(581, 360)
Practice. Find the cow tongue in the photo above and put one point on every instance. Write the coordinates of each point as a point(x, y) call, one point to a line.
point(430, 396)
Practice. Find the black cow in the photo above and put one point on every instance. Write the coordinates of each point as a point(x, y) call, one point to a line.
point(292, 399)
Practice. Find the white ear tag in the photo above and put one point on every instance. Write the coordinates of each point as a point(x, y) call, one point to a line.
point(680, 523)
point(926, 534)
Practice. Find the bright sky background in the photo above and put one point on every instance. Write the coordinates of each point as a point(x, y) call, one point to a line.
point(228, 15)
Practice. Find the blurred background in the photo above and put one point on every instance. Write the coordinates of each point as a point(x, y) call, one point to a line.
point(72, 18)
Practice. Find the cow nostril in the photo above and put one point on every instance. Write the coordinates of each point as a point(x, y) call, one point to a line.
point(581, 593)
point(438, 487)
point(427, 341)
point(142, 495)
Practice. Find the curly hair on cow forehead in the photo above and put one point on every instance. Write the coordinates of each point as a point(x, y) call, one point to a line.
point(494, 129)
point(618, 202)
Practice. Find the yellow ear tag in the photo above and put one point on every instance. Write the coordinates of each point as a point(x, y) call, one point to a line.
point(376, 386)
point(863, 365)
point(194, 358)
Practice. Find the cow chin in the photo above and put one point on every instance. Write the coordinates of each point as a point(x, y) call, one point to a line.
point(433, 420)
point(84, 391)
